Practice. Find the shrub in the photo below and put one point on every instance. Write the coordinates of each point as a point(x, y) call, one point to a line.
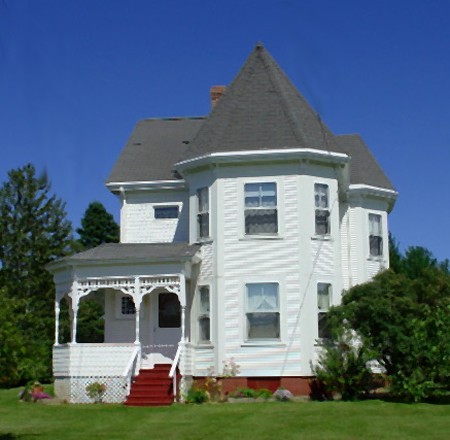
point(196, 395)
point(95, 391)
point(342, 368)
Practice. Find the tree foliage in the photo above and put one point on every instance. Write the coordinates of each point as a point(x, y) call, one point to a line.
point(97, 227)
point(403, 318)
point(33, 231)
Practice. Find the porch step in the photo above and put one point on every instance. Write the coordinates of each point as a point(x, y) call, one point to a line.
point(152, 387)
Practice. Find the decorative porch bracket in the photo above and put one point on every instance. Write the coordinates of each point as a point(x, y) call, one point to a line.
point(135, 286)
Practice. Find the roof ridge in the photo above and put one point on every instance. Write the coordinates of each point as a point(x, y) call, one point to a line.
point(275, 79)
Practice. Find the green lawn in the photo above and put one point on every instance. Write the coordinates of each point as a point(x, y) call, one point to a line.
point(271, 420)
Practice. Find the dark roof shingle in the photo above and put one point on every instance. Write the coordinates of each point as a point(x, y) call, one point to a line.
point(153, 148)
point(137, 251)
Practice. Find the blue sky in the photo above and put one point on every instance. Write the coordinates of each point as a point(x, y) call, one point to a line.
point(75, 76)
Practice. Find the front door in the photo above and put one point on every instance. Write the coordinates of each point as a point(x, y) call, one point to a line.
point(166, 319)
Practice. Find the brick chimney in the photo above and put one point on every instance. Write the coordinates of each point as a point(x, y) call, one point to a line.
point(216, 93)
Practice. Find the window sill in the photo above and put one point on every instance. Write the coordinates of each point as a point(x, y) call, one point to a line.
point(379, 259)
point(205, 346)
point(205, 240)
point(322, 237)
point(261, 237)
point(263, 344)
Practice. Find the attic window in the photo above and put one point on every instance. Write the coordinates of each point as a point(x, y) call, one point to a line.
point(163, 212)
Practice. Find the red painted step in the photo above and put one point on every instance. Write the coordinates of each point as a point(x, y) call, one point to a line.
point(152, 387)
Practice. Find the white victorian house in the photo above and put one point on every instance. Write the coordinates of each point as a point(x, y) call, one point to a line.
point(238, 231)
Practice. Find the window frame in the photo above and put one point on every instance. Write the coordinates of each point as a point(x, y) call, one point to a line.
point(165, 207)
point(203, 314)
point(203, 210)
point(378, 235)
point(322, 211)
point(247, 311)
point(119, 297)
point(322, 312)
point(260, 207)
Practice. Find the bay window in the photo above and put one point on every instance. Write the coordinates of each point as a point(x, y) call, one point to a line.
point(261, 216)
point(262, 311)
point(204, 321)
point(375, 235)
point(203, 212)
point(322, 214)
point(323, 305)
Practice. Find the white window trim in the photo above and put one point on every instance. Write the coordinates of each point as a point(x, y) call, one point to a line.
point(318, 310)
point(383, 237)
point(118, 307)
point(197, 305)
point(280, 208)
point(328, 235)
point(281, 309)
point(198, 212)
point(167, 205)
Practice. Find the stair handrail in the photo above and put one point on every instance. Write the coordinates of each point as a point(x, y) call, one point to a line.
point(128, 372)
point(173, 369)
point(175, 362)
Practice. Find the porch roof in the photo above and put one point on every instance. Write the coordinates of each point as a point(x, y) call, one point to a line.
point(131, 252)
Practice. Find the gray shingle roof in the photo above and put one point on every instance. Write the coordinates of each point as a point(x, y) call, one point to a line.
point(363, 166)
point(152, 149)
point(261, 109)
point(137, 251)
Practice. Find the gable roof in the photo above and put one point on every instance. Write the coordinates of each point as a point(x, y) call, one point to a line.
point(152, 149)
point(261, 109)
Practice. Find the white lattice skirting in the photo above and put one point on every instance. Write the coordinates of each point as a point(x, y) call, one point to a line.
point(73, 389)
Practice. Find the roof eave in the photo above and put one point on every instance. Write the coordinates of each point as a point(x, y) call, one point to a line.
point(360, 189)
point(155, 185)
point(264, 155)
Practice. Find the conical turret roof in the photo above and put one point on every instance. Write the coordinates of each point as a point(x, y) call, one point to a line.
point(261, 109)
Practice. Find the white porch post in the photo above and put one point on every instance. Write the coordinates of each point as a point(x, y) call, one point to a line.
point(74, 322)
point(183, 323)
point(183, 306)
point(57, 311)
point(137, 298)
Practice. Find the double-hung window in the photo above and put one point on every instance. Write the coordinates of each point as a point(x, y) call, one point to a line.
point(323, 305)
point(203, 212)
point(261, 215)
point(375, 235)
point(204, 322)
point(322, 205)
point(262, 311)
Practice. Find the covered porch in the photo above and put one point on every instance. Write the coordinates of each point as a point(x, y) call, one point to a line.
point(144, 293)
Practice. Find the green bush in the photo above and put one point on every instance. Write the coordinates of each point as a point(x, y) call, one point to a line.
point(342, 368)
point(196, 395)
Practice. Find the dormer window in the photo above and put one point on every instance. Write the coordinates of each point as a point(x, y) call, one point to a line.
point(203, 212)
point(322, 215)
point(261, 208)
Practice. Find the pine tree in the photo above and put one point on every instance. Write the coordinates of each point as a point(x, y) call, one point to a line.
point(97, 227)
point(33, 231)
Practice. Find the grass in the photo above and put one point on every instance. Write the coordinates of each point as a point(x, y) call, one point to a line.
point(271, 420)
